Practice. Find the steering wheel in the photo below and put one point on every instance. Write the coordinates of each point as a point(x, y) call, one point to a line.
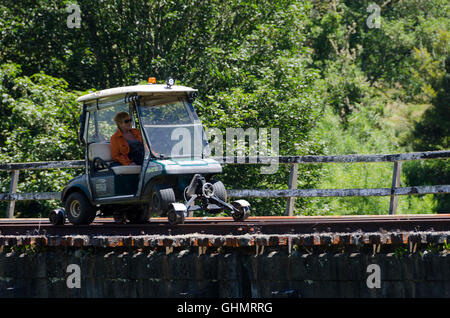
point(99, 164)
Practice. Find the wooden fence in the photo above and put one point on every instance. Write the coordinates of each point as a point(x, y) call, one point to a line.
point(291, 193)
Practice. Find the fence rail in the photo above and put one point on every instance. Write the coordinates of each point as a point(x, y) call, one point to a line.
point(290, 193)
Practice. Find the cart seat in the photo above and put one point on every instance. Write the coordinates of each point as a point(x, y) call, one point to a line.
point(126, 169)
point(102, 150)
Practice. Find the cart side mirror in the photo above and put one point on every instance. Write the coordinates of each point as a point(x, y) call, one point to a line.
point(192, 96)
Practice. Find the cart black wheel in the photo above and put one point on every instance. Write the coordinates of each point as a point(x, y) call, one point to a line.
point(119, 217)
point(79, 210)
point(139, 215)
point(243, 212)
point(161, 198)
point(92, 215)
point(175, 217)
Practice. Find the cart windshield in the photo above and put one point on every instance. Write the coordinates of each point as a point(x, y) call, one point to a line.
point(172, 128)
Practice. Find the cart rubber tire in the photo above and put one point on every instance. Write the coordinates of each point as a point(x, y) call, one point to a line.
point(162, 196)
point(79, 210)
point(120, 217)
point(219, 190)
point(140, 215)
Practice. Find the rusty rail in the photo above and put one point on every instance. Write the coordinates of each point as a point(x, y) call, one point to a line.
point(290, 193)
point(225, 226)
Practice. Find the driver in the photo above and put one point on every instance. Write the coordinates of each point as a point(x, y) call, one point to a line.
point(127, 147)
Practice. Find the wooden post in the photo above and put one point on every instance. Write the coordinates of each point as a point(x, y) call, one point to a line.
point(395, 184)
point(292, 185)
point(12, 190)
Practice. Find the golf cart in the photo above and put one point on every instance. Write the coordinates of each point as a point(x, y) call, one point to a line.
point(175, 168)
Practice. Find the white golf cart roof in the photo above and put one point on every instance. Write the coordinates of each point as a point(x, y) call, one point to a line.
point(147, 89)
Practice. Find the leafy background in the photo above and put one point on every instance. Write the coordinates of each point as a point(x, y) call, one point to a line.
point(312, 69)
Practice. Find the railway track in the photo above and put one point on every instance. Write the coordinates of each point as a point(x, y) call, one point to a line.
point(226, 225)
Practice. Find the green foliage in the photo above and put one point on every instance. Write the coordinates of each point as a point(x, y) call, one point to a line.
point(365, 133)
point(313, 69)
point(432, 132)
point(401, 251)
point(42, 126)
point(268, 84)
point(247, 58)
point(378, 81)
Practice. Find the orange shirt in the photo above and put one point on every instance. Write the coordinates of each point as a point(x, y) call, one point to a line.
point(120, 148)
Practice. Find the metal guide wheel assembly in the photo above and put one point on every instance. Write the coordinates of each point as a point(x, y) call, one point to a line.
point(212, 196)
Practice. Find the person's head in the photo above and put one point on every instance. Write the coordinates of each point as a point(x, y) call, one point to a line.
point(123, 121)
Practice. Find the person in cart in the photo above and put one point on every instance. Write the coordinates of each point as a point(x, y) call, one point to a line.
point(127, 147)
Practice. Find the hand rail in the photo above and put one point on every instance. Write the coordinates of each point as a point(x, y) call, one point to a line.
point(290, 193)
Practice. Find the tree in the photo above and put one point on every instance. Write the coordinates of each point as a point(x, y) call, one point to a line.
point(39, 123)
point(247, 58)
point(432, 132)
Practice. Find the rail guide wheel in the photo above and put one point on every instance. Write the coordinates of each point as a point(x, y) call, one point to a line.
point(242, 210)
point(176, 213)
point(57, 217)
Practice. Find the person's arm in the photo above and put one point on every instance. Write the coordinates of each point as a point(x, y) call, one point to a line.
point(139, 137)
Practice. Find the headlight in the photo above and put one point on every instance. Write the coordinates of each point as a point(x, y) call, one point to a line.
point(170, 81)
